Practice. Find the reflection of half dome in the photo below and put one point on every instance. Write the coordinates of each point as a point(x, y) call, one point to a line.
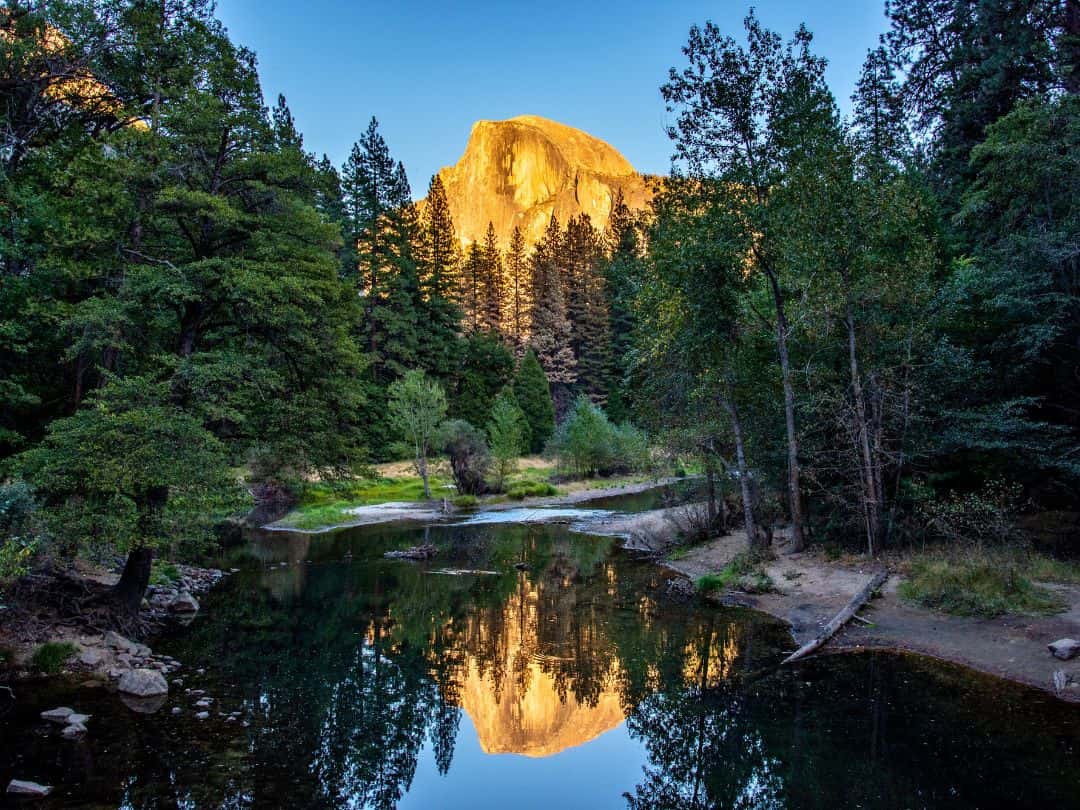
point(529, 717)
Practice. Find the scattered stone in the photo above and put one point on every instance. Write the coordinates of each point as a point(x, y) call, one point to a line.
point(75, 717)
point(73, 730)
point(204, 703)
point(58, 715)
point(200, 672)
point(18, 787)
point(184, 603)
point(143, 683)
point(202, 716)
point(196, 692)
point(142, 651)
point(176, 710)
point(1064, 648)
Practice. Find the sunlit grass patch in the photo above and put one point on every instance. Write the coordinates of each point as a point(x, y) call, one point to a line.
point(981, 583)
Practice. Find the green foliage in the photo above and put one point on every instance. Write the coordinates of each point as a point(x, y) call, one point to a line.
point(163, 572)
point(49, 658)
point(587, 444)
point(132, 470)
point(487, 366)
point(978, 584)
point(744, 573)
point(466, 501)
point(470, 459)
point(530, 489)
point(20, 529)
point(507, 430)
point(417, 408)
point(533, 395)
point(983, 517)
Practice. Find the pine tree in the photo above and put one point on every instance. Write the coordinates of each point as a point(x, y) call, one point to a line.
point(587, 308)
point(491, 290)
point(549, 328)
point(383, 228)
point(472, 286)
point(439, 259)
point(621, 269)
point(518, 286)
point(382, 223)
point(487, 366)
point(533, 395)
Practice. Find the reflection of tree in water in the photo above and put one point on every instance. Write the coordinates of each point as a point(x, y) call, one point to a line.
point(347, 672)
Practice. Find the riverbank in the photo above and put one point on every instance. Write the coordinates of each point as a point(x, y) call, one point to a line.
point(45, 630)
point(810, 590)
point(573, 492)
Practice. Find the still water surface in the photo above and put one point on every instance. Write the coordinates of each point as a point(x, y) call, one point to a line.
point(576, 683)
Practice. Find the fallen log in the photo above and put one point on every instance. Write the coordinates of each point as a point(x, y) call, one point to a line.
point(841, 618)
point(424, 552)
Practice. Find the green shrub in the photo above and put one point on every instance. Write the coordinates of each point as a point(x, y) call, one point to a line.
point(20, 529)
point(985, 585)
point(7, 658)
point(164, 572)
point(49, 658)
point(743, 572)
point(588, 444)
point(466, 501)
point(531, 489)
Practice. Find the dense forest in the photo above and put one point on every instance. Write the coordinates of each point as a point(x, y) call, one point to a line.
point(864, 327)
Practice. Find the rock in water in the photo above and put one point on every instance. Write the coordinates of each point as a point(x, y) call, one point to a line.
point(184, 603)
point(1064, 648)
point(18, 787)
point(58, 715)
point(73, 730)
point(143, 683)
point(518, 172)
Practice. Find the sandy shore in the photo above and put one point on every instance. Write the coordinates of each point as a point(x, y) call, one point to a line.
point(811, 590)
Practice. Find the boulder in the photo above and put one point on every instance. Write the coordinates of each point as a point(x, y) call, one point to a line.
point(58, 715)
point(184, 603)
point(1064, 648)
point(144, 705)
point(73, 730)
point(202, 715)
point(118, 642)
point(94, 657)
point(75, 717)
point(18, 787)
point(143, 683)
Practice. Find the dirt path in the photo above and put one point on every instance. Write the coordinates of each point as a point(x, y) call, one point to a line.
point(811, 590)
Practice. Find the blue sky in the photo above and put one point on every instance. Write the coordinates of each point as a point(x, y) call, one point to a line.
point(428, 70)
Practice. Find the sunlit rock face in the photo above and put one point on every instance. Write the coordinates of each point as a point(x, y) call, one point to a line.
point(518, 172)
point(515, 701)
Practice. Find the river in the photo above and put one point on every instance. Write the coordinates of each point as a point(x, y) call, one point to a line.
point(341, 679)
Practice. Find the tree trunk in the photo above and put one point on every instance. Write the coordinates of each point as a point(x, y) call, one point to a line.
point(871, 493)
point(710, 483)
point(744, 472)
point(421, 467)
point(129, 591)
point(798, 538)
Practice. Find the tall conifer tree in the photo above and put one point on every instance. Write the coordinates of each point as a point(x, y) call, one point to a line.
point(518, 299)
point(549, 328)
